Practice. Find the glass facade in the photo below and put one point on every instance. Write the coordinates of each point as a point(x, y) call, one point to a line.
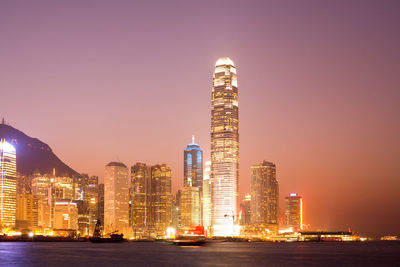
point(224, 148)
point(189, 207)
point(294, 212)
point(8, 185)
point(193, 166)
point(264, 194)
point(116, 198)
point(206, 197)
point(139, 198)
point(161, 199)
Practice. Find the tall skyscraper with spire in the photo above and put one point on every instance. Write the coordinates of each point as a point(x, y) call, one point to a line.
point(8, 185)
point(193, 166)
point(224, 147)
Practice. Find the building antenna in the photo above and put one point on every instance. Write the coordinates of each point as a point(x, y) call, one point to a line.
point(192, 139)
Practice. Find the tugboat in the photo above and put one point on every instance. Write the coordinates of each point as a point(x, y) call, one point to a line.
point(191, 237)
point(114, 237)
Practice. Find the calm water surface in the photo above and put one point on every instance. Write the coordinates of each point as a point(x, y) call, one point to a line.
point(214, 254)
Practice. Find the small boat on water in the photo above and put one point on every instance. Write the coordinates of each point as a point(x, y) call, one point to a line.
point(189, 241)
point(114, 236)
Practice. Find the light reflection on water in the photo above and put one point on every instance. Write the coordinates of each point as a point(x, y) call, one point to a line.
point(213, 254)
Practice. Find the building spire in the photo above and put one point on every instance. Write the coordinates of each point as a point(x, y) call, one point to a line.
point(192, 139)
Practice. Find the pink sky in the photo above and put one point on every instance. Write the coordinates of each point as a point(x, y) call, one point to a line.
point(319, 91)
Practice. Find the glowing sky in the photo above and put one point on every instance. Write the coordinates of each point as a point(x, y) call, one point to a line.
point(319, 91)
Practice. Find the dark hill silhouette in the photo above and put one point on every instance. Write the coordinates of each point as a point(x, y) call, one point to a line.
point(34, 155)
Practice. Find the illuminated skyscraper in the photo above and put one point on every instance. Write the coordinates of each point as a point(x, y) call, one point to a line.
point(27, 211)
point(264, 195)
point(100, 206)
point(193, 166)
point(161, 199)
point(65, 215)
point(294, 211)
point(245, 210)
point(224, 147)
point(40, 189)
point(189, 209)
point(8, 185)
point(139, 198)
point(116, 198)
point(206, 196)
point(90, 197)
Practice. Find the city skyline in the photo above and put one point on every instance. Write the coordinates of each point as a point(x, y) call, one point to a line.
point(322, 111)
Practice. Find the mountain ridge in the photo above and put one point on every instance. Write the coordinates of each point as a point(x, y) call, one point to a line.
point(33, 155)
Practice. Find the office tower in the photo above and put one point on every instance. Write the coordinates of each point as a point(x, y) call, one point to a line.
point(27, 211)
point(206, 196)
point(224, 147)
point(175, 216)
point(24, 184)
point(100, 206)
point(61, 188)
point(83, 217)
point(90, 197)
point(8, 185)
point(264, 194)
point(65, 215)
point(294, 212)
point(139, 198)
point(40, 188)
point(80, 184)
point(116, 198)
point(161, 199)
point(189, 207)
point(193, 166)
point(93, 180)
point(245, 210)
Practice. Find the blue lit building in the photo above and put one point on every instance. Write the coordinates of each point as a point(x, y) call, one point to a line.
point(193, 166)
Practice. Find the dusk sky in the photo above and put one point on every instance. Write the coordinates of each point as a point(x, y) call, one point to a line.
point(319, 91)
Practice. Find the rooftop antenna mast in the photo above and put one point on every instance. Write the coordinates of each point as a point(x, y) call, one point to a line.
point(192, 139)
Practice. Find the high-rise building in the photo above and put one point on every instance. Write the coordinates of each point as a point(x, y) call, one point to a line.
point(189, 207)
point(61, 189)
point(161, 199)
point(294, 212)
point(224, 147)
point(264, 195)
point(245, 210)
point(83, 217)
point(40, 189)
point(90, 197)
point(100, 206)
point(65, 215)
point(206, 196)
point(8, 185)
point(193, 166)
point(27, 211)
point(116, 198)
point(139, 198)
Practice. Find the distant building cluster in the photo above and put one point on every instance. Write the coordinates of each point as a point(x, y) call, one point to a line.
point(139, 203)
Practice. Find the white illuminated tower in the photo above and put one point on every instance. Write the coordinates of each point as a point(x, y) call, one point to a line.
point(224, 147)
point(8, 185)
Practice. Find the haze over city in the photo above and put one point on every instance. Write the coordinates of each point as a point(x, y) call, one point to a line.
point(318, 92)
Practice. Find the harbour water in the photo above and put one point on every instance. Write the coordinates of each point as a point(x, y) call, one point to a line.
point(382, 253)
